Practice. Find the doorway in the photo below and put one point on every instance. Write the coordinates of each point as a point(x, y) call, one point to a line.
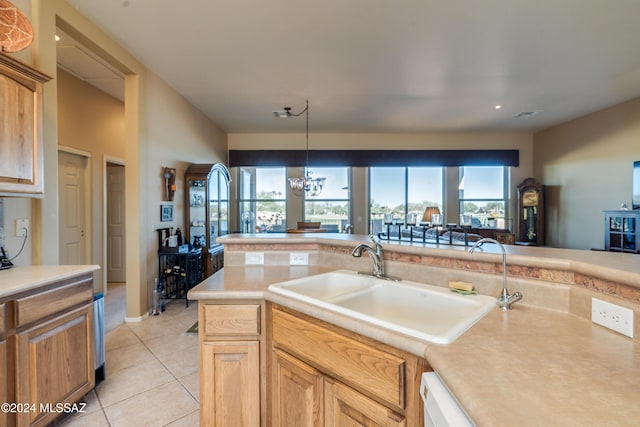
point(75, 239)
point(115, 222)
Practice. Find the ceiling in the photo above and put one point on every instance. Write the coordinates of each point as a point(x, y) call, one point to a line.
point(382, 65)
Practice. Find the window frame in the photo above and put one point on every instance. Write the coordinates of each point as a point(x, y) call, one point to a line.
point(254, 201)
point(505, 193)
point(406, 201)
point(348, 200)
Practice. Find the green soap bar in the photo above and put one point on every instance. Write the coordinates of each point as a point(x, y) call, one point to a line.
point(460, 291)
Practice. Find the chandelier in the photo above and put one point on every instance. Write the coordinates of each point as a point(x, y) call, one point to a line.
point(304, 184)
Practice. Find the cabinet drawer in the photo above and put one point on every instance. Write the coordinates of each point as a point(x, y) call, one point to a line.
point(42, 304)
point(373, 371)
point(234, 319)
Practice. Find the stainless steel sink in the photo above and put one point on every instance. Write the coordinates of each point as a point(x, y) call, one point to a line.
point(418, 310)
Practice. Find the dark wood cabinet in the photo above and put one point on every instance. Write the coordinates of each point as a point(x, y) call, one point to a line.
point(207, 210)
point(179, 272)
point(530, 212)
point(621, 231)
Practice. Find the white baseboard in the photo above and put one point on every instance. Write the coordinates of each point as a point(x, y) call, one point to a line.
point(136, 319)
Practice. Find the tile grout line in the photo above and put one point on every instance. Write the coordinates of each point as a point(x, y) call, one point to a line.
point(140, 339)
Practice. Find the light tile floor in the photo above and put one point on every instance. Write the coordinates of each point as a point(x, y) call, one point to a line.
point(152, 374)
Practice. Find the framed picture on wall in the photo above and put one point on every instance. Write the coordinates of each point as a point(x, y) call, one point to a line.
point(166, 213)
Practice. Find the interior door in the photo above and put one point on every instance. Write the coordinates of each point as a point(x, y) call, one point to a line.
point(72, 200)
point(115, 224)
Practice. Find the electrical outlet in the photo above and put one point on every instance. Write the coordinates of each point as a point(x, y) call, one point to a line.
point(299, 258)
point(254, 258)
point(22, 227)
point(614, 317)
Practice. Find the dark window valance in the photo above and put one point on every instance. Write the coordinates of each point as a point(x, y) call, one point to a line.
point(364, 158)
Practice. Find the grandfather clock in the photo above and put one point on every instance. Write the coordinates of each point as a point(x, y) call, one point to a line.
point(531, 212)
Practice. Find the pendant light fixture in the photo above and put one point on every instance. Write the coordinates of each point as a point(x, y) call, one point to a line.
point(304, 184)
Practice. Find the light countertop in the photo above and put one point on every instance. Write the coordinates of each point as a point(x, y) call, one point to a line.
point(538, 367)
point(248, 282)
point(618, 267)
point(528, 366)
point(24, 278)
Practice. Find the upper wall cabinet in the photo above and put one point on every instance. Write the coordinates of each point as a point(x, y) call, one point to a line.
point(21, 147)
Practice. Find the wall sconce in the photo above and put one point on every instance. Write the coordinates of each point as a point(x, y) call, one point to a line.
point(169, 175)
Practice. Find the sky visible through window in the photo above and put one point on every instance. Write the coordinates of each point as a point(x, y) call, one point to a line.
point(388, 186)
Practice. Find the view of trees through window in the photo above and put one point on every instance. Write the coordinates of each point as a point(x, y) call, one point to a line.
point(392, 190)
point(332, 206)
point(262, 199)
point(482, 190)
point(402, 190)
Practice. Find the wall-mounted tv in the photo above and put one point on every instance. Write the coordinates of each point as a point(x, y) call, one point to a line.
point(635, 199)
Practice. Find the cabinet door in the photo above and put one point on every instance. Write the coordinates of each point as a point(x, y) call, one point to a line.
point(230, 384)
point(55, 363)
point(21, 171)
point(4, 382)
point(297, 393)
point(344, 407)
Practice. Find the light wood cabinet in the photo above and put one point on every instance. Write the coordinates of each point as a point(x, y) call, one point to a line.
point(346, 407)
point(230, 368)
point(231, 371)
point(55, 363)
point(4, 381)
point(325, 375)
point(46, 349)
point(298, 393)
point(21, 146)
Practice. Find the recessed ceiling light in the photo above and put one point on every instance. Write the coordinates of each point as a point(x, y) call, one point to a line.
point(57, 38)
point(498, 107)
point(525, 114)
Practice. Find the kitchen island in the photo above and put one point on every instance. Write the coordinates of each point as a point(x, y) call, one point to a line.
point(542, 363)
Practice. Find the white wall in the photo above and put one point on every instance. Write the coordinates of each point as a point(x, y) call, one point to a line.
point(160, 129)
point(586, 165)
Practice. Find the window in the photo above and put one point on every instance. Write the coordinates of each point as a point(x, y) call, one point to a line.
point(482, 193)
point(402, 190)
point(332, 206)
point(262, 199)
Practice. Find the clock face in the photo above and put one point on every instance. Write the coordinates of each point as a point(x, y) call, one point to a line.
point(530, 198)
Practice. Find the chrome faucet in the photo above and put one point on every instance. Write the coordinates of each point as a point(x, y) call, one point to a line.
point(375, 253)
point(504, 299)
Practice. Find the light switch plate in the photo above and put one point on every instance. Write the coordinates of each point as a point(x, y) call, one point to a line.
point(614, 317)
point(254, 258)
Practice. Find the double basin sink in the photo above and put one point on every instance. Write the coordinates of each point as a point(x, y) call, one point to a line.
point(421, 311)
